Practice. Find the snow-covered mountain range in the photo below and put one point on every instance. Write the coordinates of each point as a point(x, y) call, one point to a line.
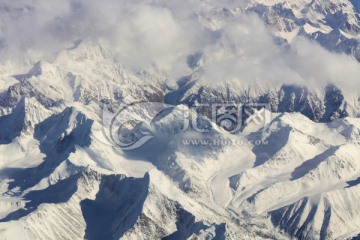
point(297, 176)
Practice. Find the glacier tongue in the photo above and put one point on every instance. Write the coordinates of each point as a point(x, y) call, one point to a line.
point(294, 187)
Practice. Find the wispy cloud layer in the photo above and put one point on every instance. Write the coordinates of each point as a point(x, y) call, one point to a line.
point(233, 47)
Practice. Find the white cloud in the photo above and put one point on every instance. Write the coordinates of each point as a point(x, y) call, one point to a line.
point(163, 32)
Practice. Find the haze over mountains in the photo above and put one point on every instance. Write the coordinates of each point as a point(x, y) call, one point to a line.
point(68, 69)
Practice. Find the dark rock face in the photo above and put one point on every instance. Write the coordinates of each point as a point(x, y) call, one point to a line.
point(335, 104)
point(25, 89)
point(327, 107)
point(291, 98)
point(12, 124)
